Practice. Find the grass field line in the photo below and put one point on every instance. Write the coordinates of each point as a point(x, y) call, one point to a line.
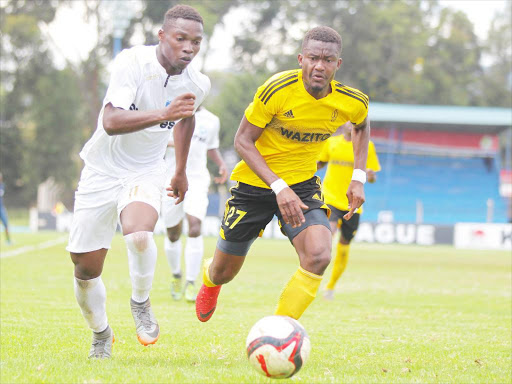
point(30, 248)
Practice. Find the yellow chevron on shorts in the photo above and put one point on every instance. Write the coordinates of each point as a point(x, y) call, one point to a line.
point(327, 209)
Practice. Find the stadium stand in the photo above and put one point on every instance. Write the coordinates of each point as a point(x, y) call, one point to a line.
point(440, 164)
point(449, 189)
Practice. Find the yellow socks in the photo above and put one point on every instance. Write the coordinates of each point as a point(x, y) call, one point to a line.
point(298, 293)
point(206, 276)
point(339, 265)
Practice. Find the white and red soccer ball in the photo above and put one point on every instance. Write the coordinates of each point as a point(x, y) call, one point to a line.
point(278, 346)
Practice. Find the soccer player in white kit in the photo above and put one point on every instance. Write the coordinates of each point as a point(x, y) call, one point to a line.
point(205, 143)
point(152, 89)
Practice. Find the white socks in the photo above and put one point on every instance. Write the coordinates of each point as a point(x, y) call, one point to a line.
point(142, 254)
point(91, 296)
point(173, 253)
point(193, 257)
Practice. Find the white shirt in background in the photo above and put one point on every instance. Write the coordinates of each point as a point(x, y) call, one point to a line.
point(206, 137)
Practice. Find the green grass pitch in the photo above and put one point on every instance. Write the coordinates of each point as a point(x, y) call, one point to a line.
point(401, 314)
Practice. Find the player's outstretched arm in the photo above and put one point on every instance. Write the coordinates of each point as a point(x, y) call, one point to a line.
point(289, 203)
point(373, 164)
point(215, 155)
point(118, 121)
point(360, 140)
point(182, 132)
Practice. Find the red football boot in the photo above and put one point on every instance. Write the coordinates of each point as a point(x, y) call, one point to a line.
point(206, 302)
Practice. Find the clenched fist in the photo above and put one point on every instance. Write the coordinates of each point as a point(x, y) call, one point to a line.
point(180, 108)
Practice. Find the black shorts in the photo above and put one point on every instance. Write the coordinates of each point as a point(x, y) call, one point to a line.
point(250, 209)
point(348, 227)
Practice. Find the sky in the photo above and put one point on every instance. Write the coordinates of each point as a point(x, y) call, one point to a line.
point(480, 12)
point(77, 45)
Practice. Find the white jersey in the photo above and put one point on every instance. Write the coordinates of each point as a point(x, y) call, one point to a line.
point(206, 137)
point(139, 82)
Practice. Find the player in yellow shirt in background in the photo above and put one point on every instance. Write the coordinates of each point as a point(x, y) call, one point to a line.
point(339, 155)
point(279, 140)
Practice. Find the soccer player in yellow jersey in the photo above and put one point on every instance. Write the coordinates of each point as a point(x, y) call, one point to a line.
point(338, 154)
point(279, 140)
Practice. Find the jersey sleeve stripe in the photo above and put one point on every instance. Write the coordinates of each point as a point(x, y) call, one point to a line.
point(276, 80)
point(275, 84)
point(360, 94)
point(354, 96)
point(278, 88)
point(351, 90)
point(355, 92)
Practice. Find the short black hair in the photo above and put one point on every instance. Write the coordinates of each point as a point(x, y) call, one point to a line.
point(181, 11)
point(322, 33)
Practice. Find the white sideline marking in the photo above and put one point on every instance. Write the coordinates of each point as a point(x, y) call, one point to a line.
point(29, 248)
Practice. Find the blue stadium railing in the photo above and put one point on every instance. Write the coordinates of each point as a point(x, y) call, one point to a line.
point(450, 189)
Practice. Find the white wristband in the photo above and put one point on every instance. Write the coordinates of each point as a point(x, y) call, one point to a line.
point(278, 185)
point(359, 175)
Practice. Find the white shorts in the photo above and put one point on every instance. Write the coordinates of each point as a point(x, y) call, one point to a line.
point(195, 204)
point(99, 201)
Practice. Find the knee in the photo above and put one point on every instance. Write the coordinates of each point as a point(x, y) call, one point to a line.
point(221, 276)
point(138, 242)
point(173, 236)
point(194, 230)
point(85, 269)
point(318, 257)
point(174, 233)
point(83, 272)
point(343, 240)
point(194, 226)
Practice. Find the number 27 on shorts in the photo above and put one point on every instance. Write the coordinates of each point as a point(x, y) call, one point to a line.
point(229, 215)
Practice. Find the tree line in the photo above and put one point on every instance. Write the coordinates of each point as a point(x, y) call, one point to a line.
point(397, 51)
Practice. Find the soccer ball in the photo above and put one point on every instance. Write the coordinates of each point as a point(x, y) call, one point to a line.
point(278, 346)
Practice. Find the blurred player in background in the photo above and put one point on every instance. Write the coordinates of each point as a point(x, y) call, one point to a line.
point(279, 140)
point(339, 155)
point(152, 89)
point(3, 211)
point(205, 143)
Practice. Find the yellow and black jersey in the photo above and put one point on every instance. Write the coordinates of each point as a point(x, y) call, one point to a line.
point(295, 125)
point(339, 154)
